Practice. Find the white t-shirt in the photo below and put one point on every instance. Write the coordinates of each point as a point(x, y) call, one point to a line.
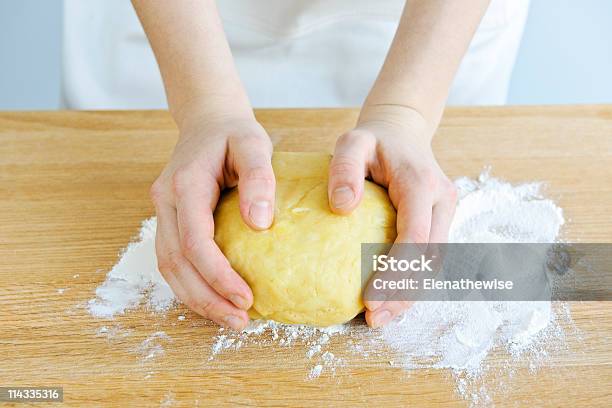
point(289, 53)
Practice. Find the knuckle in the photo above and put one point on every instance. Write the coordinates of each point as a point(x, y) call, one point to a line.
point(407, 176)
point(260, 139)
point(156, 192)
point(427, 178)
point(246, 139)
point(164, 267)
point(221, 280)
point(181, 180)
point(202, 306)
point(260, 173)
point(401, 184)
point(168, 262)
point(189, 243)
point(350, 138)
point(343, 166)
point(355, 137)
point(215, 281)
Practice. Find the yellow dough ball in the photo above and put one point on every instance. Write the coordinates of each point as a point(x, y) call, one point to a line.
point(305, 269)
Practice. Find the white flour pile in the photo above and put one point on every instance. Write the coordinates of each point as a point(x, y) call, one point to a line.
point(459, 335)
point(454, 335)
point(133, 279)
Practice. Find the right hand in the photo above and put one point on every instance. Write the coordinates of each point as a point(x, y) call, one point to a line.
point(209, 156)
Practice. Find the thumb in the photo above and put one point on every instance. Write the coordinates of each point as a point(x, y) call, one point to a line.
point(256, 184)
point(347, 172)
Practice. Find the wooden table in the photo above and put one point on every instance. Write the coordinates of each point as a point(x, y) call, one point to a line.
point(74, 189)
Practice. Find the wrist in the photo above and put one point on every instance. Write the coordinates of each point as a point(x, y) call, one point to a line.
point(399, 119)
point(212, 108)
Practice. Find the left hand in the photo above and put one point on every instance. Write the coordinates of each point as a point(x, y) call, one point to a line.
point(392, 146)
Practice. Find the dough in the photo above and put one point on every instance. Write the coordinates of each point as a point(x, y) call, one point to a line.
point(306, 269)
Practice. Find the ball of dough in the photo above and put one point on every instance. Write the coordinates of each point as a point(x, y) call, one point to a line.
point(305, 269)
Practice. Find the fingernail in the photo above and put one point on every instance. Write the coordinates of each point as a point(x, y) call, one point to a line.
point(239, 301)
point(381, 318)
point(259, 213)
point(342, 196)
point(234, 322)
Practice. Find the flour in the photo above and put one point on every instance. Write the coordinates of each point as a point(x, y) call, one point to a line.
point(445, 335)
point(153, 346)
point(168, 401)
point(113, 333)
point(260, 332)
point(133, 279)
point(488, 211)
point(460, 335)
point(315, 371)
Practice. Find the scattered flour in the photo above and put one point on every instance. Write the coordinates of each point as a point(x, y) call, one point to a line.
point(153, 346)
point(169, 400)
point(315, 371)
point(260, 332)
point(133, 279)
point(113, 333)
point(451, 335)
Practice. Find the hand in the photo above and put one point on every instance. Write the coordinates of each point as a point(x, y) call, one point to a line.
point(391, 145)
point(211, 155)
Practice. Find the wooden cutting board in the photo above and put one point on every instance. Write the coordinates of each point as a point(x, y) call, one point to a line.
point(74, 189)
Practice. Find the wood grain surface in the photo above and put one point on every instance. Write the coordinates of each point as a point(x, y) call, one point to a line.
point(74, 189)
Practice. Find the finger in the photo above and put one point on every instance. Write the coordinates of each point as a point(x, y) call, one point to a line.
point(387, 312)
point(347, 171)
point(185, 281)
point(442, 215)
point(413, 199)
point(196, 196)
point(256, 183)
point(374, 298)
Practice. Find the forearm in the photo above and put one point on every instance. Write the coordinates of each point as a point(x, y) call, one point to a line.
point(194, 58)
point(431, 39)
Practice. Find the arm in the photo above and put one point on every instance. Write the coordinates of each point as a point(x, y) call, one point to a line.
point(431, 39)
point(391, 142)
point(220, 145)
point(194, 58)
